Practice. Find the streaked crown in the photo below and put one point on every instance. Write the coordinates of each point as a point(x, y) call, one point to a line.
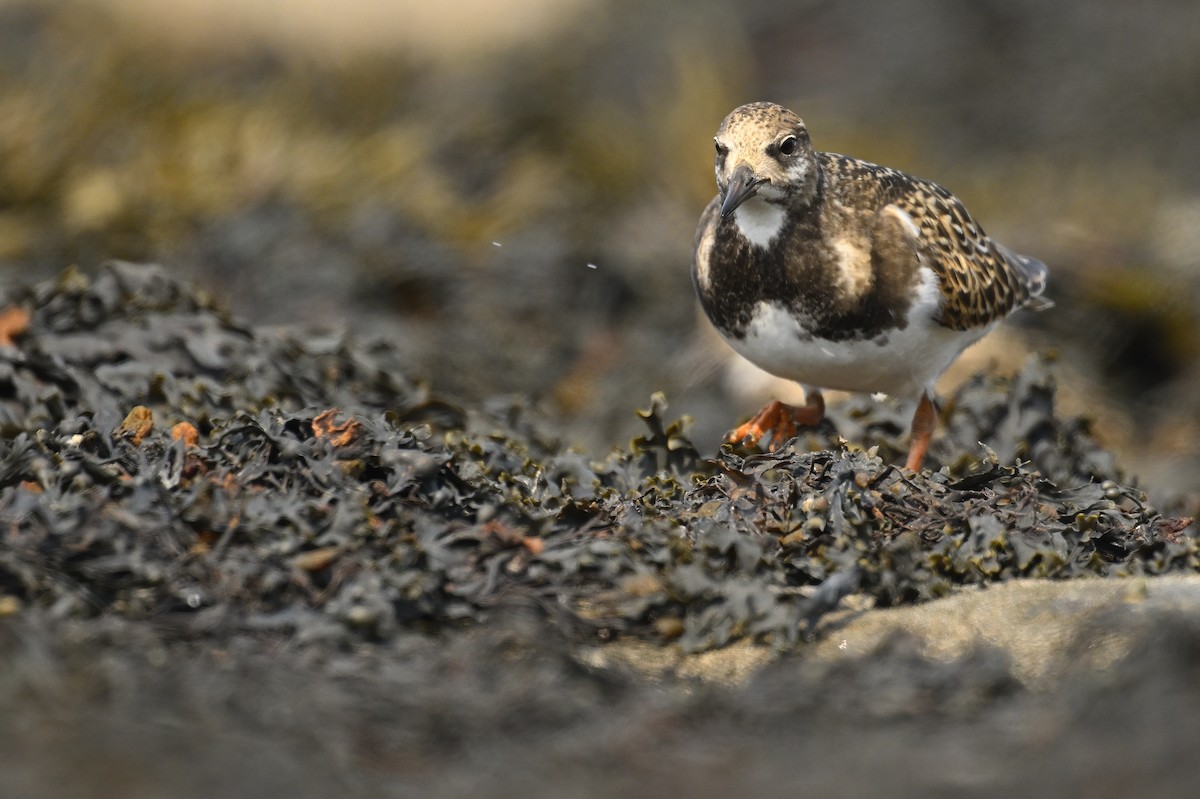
point(772, 144)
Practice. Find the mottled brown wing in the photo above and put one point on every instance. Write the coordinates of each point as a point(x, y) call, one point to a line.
point(981, 281)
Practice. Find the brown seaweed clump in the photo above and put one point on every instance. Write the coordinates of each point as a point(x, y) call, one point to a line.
point(163, 462)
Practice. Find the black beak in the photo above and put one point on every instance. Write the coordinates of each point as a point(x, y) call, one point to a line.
point(743, 184)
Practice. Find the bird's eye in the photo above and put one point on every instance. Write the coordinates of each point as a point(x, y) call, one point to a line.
point(721, 148)
point(788, 145)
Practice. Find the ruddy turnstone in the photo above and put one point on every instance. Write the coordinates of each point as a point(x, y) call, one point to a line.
point(842, 274)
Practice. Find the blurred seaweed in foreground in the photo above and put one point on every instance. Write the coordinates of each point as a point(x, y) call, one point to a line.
point(162, 461)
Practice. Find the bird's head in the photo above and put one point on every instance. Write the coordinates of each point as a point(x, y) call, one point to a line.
point(764, 149)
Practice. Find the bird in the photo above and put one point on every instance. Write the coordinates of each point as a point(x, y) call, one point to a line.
point(838, 273)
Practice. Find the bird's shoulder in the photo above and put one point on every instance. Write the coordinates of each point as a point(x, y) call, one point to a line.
point(980, 281)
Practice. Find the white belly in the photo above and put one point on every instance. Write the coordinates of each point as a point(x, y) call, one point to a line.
point(902, 364)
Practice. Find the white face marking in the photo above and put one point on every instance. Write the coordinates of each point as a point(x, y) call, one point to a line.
point(759, 221)
point(798, 172)
point(771, 193)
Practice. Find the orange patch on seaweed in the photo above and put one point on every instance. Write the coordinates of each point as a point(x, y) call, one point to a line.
point(186, 431)
point(340, 435)
point(137, 425)
point(14, 321)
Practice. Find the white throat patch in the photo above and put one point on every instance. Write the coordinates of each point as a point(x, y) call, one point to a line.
point(759, 221)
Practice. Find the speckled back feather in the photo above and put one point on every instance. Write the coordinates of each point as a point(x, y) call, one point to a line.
point(981, 281)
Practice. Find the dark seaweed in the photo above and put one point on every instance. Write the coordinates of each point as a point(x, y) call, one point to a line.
point(327, 494)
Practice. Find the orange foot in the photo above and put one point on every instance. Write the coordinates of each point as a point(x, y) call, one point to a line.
point(780, 422)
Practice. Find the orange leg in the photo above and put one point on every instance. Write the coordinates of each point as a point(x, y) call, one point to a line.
point(923, 422)
point(780, 421)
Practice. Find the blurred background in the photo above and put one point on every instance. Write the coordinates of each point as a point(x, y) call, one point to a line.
point(508, 191)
